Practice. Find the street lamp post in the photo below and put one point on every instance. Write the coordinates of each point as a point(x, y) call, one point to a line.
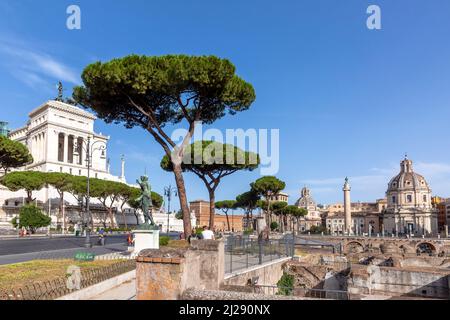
point(89, 150)
point(168, 192)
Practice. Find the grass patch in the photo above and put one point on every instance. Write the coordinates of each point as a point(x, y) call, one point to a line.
point(301, 253)
point(21, 274)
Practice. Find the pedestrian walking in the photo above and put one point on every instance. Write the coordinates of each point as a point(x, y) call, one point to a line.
point(101, 237)
point(207, 234)
point(130, 239)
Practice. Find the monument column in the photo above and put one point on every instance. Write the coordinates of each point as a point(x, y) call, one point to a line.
point(66, 148)
point(122, 171)
point(347, 208)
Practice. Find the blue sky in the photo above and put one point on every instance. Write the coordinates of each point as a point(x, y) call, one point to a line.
point(348, 101)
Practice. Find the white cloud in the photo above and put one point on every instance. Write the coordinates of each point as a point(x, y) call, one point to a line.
point(35, 66)
point(31, 79)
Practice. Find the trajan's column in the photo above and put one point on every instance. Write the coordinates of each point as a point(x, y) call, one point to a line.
point(347, 208)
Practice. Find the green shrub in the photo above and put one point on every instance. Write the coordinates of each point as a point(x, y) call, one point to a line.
point(32, 218)
point(164, 240)
point(248, 231)
point(318, 229)
point(273, 225)
point(286, 284)
point(198, 231)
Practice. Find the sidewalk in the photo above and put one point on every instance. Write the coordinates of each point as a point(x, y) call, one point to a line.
point(125, 291)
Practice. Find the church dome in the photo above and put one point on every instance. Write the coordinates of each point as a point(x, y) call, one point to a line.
point(408, 189)
point(407, 179)
point(306, 200)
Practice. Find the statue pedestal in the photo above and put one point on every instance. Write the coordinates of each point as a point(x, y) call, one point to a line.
point(145, 239)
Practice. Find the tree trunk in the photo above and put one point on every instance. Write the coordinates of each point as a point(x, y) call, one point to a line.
point(212, 208)
point(111, 217)
point(228, 220)
point(62, 211)
point(183, 200)
point(29, 196)
point(123, 214)
point(125, 221)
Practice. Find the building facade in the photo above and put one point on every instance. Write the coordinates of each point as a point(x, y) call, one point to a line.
point(366, 217)
point(56, 135)
point(200, 208)
point(280, 196)
point(442, 207)
point(409, 209)
point(313, 217)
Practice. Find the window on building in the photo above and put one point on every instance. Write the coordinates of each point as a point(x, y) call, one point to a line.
point(96, 175)
point(408, 198)
point(79, 172)
point(70, 147)
point(61, 147)
point(394, 200)
point(424, 198)
point(60, 169)
point(6, 202)
point(70, 170)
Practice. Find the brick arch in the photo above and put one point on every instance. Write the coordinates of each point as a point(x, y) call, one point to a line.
point(426, 246)
point(354, 246)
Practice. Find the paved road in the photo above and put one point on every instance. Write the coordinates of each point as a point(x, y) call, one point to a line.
point(26, 249)
point(26, 245)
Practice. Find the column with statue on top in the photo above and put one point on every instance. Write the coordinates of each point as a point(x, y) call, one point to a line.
point(347, 209)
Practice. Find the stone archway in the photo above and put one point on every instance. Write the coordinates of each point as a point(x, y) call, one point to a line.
point(425, 248)
point(354, 247)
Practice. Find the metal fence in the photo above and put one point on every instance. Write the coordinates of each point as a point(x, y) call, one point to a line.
point(302, 292)
point(59, 287)
point(242, 252)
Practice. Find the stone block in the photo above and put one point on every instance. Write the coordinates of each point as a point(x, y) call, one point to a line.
point(164, 274)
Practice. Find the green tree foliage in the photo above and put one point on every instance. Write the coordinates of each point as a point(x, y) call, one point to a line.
point(292, 212)
point(297, 214)
point(211, 161)
point(32, 218)
point(157, 202)
point(286, 284)
point(62, 182)
point(318, 229)
point(13, 154)
point(126, 194)
point(179, 215)
point(24, 180)
point(273, 225)
point(108, 192)
point(248, 201)
point(266, 187)
point(225, 206)
point(152, 92)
